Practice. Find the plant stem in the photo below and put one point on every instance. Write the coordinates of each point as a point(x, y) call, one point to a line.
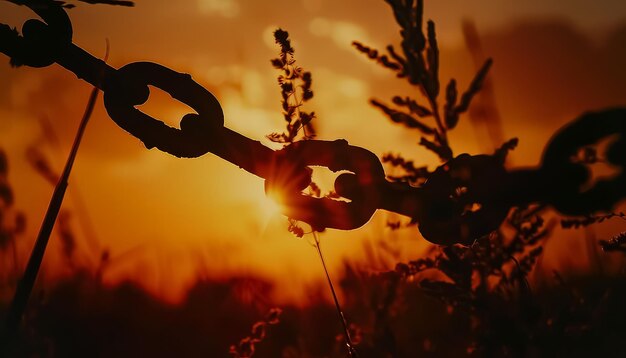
point(442, 129)
point(342, 318)
point(26, 283)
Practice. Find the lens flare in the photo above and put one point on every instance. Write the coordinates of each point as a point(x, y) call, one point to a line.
point(270, 205)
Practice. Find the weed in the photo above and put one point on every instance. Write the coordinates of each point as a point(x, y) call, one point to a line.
point(295, 90)
point(419, 65)
point(246, 346)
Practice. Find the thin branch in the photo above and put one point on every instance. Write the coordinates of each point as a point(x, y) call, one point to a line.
point(342, 318)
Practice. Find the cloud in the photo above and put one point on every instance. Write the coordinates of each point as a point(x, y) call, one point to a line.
point(224, 8)
point(342, 33)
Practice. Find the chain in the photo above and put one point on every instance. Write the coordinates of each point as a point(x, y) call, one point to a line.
point(566, 195)
point(462, 200)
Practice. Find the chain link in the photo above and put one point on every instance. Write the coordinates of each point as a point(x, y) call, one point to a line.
point(359, 186)
point(568, 176)
point(40, 43)
point(129, 88)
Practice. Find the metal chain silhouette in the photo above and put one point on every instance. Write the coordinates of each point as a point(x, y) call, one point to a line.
point(464, 199)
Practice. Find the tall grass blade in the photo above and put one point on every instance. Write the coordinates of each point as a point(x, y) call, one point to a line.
point(26, 283)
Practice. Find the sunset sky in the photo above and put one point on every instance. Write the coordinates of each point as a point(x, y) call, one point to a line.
point(165, 220)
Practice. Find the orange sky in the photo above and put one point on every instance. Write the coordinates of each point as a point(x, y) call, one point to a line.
point(168, 218)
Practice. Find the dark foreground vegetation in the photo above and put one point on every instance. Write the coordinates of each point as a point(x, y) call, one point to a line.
point(467, 297)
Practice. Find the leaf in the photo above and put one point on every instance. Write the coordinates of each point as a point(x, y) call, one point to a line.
point(384, 60)
point(451, 116)
point(307, 81)
point(413, 106)
point(371, 53)
point(399, 59)
point(277, 63)
point(306, 117)
point(432, 56)
point(287, 87)
point(403, 118)
point(295, 229)
point(419, 15)
point(407, 165)
point(474, 87)
point(444, 152)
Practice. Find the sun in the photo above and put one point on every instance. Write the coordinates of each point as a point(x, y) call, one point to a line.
point(269, 206)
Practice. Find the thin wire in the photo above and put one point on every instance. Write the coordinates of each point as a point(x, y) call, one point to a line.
point(342, 318)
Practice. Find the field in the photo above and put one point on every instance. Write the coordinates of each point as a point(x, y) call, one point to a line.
point(500, 230)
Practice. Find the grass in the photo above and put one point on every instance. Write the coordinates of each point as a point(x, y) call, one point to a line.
point(27, 281)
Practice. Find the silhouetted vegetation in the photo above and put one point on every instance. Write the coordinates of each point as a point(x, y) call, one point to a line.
point(464, 298)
